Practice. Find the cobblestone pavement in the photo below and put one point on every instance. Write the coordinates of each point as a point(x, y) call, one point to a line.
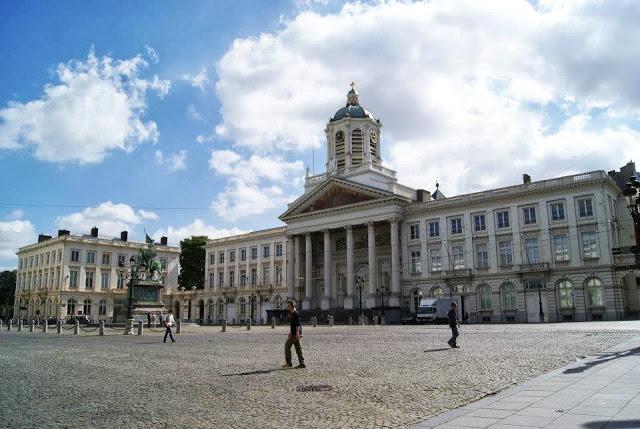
point(390, 376)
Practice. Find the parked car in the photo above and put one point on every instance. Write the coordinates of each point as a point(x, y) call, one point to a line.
point(409, 319)
point(52, 321)
point(82, 319)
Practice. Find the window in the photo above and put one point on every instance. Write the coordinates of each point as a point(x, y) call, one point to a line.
point(212, 258)
point(436, 259)
point(86, 307)
point(565, 292)
point(482, 256)
point(532, 250)
point(46, 280)
point(436, 292)
point(221, 279)
point(121, 260)
point(71, 306)
point(502, 219)
point(589, 245)
point(73, 279)
point(416, 262)
point(254, 276)
point(47, 255)
point(221, 257)
point(243, 254)
point(595, 296)
point(37, 260)
point(88, 280)
point(243, 307)
point(505, 252)
point(266, 275)
point(534, 283)
point(91, 257)
point(106, 259)
point(509, 300)
point(212, 280)
point(232, 275)
point(456, 225)
point(479, 222)
point(458, 257)
point(31, 260)
point(278, 249)
point(120, 282)
point(434, 228)
point(585, 208)
point(163, 263)
point(243, 277)
point(266, 250)
point(484, 294)
point(103, 308)
point(104, 281)
point(75, 256)
point(561, 247)
point(232, 255)
point(254, 253)
point(529, 215)
point(59, 255)
point(414, 231)
point(557, 211)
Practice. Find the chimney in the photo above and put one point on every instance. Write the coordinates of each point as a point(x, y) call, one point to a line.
point(419, 193)
point(43, 237)
point(526, 179)
point(94, 232)
point(163, 241)
point(62, 232)
point(427, 196)
point(124, 235)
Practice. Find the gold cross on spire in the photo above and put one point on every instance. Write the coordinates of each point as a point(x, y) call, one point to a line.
point(352, 84)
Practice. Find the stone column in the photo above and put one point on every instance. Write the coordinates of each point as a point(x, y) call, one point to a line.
point(371, 242)
point(288, 263)
point(236, 276)
point(394, 298)
point(326, 299)
point(348, 301)
point(308, 280)
point(296, 265)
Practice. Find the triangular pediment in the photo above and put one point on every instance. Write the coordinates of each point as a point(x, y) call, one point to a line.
point(334, 193)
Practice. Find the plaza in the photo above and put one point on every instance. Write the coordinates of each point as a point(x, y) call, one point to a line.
point(364, 376)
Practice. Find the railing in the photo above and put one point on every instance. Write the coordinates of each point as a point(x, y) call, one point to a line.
point(464, 272)
point(535, 267)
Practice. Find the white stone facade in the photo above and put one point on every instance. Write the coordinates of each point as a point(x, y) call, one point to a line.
point(81, 275)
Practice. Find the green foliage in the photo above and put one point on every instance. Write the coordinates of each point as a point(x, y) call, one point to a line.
point(192, 261)
point(7, 291)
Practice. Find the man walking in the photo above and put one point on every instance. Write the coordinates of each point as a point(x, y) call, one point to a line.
point(295, 334)
point(169, 322)
point(453, 324)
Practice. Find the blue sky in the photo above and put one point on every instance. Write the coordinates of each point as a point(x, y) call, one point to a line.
point(199, 117)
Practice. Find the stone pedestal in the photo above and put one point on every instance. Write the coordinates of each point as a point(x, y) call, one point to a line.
point(348, 303)
point(306, 304)
point(325, 304)
point(128, 327)
point(371, 301)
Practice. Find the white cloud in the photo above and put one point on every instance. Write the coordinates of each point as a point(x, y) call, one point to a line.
point(96, 107)
point(13, 235)
point(463, 87)
point(241, 200)
point(15, 215)
point(110, 219)
point(197, 227)
point(193, 113)
point(174, 162)
point(254, 169)
point(152, 53)
point(199, 80)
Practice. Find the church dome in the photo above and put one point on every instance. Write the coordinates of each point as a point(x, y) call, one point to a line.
point(353, 108)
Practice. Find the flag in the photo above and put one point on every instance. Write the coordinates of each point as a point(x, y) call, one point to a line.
point(148, 239)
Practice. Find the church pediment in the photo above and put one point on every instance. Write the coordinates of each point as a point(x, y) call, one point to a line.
point(336, 197)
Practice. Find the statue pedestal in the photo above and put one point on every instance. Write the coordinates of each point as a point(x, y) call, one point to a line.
point(147, 296)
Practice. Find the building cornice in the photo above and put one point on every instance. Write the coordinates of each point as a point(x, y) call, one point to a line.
point(73, 239)
point(253, 235)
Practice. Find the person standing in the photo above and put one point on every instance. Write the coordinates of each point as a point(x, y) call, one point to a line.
point(453, 324)
point(169, 322)
point(148, 319)
point(293, 339)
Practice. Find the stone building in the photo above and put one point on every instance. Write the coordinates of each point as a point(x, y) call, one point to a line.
point(82, 275)
point(552, 250)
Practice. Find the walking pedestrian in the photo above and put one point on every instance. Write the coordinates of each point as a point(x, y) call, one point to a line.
point(148, 319)
point(169, 322)
point(293, 339)
point(453, 324)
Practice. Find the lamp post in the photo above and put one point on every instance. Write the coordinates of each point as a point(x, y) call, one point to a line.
point(541, 312)
point(631, 191)
point(383, 290)
point(360, 284)
point(252, 299)
point(417, 304)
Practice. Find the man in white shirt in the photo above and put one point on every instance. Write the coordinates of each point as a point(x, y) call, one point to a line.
point(169, 322)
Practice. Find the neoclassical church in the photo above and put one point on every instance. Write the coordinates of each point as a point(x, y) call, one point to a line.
point(359, 241)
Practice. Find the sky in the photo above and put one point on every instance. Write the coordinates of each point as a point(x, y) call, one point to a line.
point(199, 117)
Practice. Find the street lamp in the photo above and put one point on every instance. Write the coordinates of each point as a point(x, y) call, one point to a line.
point(360, 284)
point(631, 191)
point(417, 304)
point(382, 291)
point(252, 299)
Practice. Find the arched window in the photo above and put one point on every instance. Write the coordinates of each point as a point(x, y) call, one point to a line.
point(436, 292)
point(509, 299)
point(243, 306)
point(416, 295)
point(254, 307)
point(595, 295)
point(220, 307)
point(357, 147)
point(211, 308)
point(71, 306)
point(102, 310)
point(86, 307)
point(277, 302)
point(565, 292)
point(484, 294)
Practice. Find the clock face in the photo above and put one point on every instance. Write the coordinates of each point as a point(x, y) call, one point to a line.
point(339, 136)
point(373, 136)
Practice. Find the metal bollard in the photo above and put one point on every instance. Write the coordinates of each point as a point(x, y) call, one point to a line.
point(224, 325)
point(248, 324)
point(76, 328)
point(32, 325)
point(140, 328)
point(20, 325)
point(59, 327)
point(9, 325)
point(331, 322)
point(314, 321)
point(273, 322)
point(178, 327)
point(382, 321)
point(350, 320)
point(45, 327)
point(101, 331)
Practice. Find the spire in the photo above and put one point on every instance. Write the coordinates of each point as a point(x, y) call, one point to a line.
point(352, 95)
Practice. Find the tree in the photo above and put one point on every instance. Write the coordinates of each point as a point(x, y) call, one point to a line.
point(7, 292)
point(192, 260)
